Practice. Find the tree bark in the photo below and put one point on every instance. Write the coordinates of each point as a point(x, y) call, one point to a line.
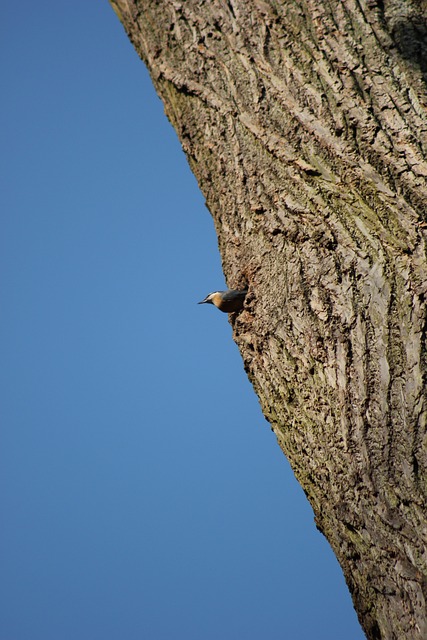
point(305, 124)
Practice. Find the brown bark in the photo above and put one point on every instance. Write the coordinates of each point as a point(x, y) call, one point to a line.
point(305, 125)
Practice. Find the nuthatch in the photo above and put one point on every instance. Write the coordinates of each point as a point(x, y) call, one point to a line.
point(227, 301)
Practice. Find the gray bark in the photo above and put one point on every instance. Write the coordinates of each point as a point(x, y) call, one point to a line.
point(305, 125)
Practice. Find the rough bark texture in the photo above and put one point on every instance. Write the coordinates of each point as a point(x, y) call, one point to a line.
point(305, 125)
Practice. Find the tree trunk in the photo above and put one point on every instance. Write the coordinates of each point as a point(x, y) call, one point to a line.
point(305, 125)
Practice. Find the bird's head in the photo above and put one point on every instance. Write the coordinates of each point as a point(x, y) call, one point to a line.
point(212, 298)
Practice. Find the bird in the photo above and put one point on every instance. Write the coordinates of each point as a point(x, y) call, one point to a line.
point(226, 301)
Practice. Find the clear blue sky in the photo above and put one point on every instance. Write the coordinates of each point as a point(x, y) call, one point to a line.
point(143, 495)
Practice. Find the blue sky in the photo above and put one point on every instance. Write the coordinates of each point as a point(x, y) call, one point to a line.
point(143, 495)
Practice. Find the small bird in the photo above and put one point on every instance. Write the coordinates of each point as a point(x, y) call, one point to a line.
point(226, 301)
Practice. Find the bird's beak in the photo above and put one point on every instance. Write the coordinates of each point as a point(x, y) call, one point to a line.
point(202, 301)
